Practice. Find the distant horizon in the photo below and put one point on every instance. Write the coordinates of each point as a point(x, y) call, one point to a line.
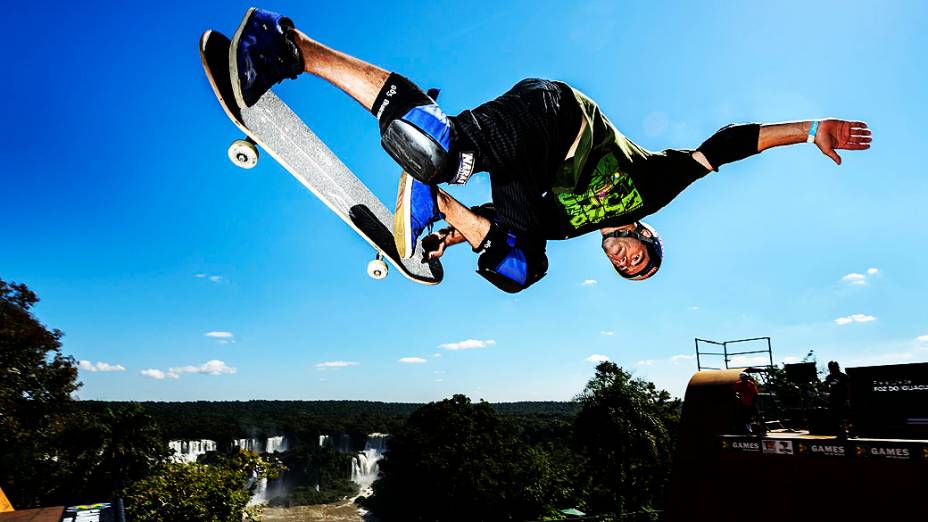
point(176, 276)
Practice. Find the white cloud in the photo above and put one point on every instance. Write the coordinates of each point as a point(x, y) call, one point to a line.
point(199, 276)
point(792, 359)
point(438, 372)
point(854, 318)
point(694, 308)
point(436, 355)
point(597, 358)
point(743, 361)
point(221, 337)
point(214, 367)
point(853, 276)
point(468, 344)
point(158, 374)
point(100, 367)
point(922, 338)
point(682, 357)
point(439, 380)
point(606, 332)
point(413, 360)
point(588, 282)
point(215, 278)
point(646, 362)
point(325, 365)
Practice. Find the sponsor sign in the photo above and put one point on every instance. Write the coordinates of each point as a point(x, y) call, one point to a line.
point(778, 447)
point(886, 450)
point(826, 448)
point(746, 445)
point(102, 512)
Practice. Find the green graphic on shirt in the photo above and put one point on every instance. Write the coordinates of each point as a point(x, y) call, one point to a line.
point(611, 193)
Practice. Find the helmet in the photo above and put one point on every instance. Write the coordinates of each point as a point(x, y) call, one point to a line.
point(653, 244)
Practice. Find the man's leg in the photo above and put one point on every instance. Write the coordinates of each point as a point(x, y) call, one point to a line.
point(267, 48)
point(360, 80)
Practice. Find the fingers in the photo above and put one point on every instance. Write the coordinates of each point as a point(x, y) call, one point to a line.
point(857, 136)
point(855, 146)
point(833, 155)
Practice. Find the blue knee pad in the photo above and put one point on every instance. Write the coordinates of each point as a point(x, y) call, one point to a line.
point(419, 141)
point(508, 262)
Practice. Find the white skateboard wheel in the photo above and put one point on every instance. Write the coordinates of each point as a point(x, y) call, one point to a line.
point(243, 154)
point(377, 269)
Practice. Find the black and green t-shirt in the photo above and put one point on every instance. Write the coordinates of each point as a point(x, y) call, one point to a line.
point(608, 180)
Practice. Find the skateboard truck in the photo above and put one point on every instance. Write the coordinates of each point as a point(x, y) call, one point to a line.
point(244, 153)
point(377, 268)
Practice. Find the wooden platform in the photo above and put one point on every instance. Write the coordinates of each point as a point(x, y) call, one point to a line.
point(46, 514)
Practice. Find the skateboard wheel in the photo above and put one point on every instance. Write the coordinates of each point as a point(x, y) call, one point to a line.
point(243, 154)
point(377, 269)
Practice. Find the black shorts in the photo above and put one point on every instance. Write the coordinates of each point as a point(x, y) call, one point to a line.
point(521, 139)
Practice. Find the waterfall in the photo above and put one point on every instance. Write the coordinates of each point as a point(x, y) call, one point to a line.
point(268, 445)
point(260, 495)
point(188, 450)
point(276, 444)
point(248, 444)
point(323, 440)
point(364, 466)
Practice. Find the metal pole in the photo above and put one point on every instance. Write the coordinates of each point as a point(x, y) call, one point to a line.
point(698, 364)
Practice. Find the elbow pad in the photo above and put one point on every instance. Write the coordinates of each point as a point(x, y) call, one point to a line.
point(731, 143)
point(507, 264)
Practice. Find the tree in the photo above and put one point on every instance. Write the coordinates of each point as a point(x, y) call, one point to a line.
point(624, 431)
point(215, 492)
point(100, 455)
point(454, 460)
point(51, 450)
point(35, 379)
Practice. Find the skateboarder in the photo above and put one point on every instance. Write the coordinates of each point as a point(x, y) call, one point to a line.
point(558, 167)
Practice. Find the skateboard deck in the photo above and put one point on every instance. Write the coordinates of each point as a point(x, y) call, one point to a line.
point(271, 124)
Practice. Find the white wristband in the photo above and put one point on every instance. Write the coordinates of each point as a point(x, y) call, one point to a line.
point(812, 130)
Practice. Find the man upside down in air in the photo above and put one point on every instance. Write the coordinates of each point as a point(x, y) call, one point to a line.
point(558, 167)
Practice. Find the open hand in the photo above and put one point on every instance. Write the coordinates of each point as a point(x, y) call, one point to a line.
point(841, 134)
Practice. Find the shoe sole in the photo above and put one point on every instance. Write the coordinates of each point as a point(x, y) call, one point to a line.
point(401, 220)
point(233, 60)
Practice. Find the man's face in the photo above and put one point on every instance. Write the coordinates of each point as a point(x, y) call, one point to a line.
point(627, 254)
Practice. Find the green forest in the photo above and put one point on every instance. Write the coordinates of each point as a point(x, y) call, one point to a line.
point(607, 452)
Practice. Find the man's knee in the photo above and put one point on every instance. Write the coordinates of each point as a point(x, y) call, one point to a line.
point(417, 134)
point(509, 262)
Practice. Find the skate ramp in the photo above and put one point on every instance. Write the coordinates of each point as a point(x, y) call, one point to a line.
point(785, 476)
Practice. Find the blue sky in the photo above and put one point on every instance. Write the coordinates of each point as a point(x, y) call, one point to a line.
point(155, 254)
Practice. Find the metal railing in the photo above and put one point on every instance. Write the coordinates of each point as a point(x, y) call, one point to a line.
point(728, 354)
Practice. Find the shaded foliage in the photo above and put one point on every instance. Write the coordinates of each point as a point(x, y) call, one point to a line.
point(624, 432)
point(217, 492)
point(53, 451)
point(455, 460)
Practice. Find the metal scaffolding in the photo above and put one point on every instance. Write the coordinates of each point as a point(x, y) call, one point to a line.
point(728, 355)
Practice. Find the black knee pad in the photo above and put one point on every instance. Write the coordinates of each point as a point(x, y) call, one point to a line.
point(414, 131)
point(510, 263)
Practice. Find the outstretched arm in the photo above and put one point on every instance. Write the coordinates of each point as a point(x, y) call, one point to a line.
point(831, 135)
point(737, 142)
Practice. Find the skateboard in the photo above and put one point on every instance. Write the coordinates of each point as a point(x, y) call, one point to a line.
point(271, 124)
